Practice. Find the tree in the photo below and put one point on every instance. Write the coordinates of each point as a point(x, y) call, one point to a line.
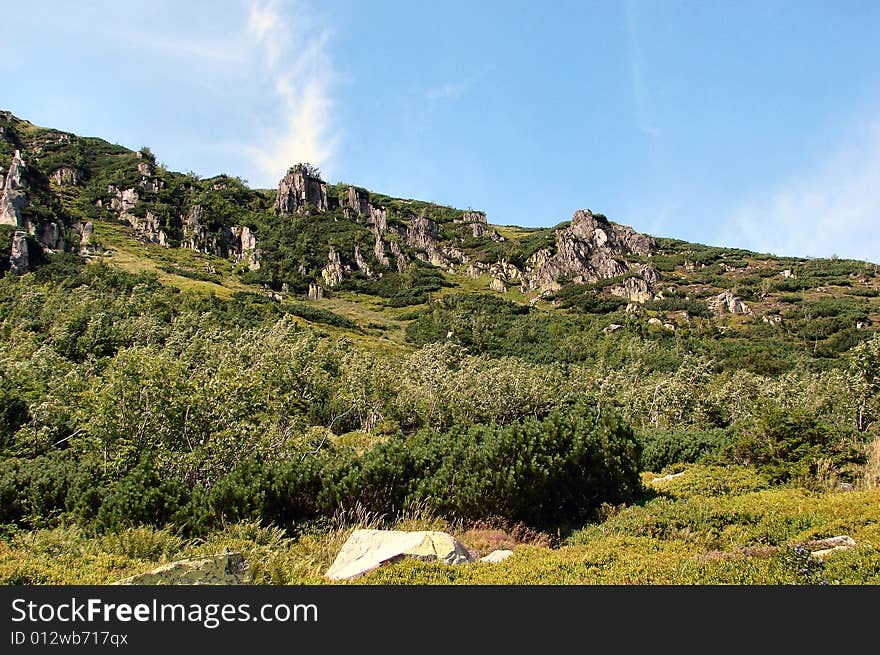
point(864, 381)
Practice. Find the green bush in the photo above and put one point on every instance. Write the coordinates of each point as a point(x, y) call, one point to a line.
point(792, 445)
point(660, 448)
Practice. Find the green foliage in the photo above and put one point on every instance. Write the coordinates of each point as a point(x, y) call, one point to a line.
point(661, 448)
point(788, 445)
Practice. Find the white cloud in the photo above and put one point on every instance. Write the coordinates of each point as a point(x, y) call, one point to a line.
point(296, 59)
point(640, 90)
point(833, 209)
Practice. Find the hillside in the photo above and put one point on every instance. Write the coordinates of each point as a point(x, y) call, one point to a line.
point(191, 361)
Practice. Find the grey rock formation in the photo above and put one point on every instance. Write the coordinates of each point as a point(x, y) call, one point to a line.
point(225, 569)
point(66, 176)
point(361, 263)
point(241, 245)
point(479, 227)
point(727, 302)
point(316, 292)
point(298, 189)
point(633, 289)
point(49, 236)
point(498, 285)
point(366, 550)
point(12, 196)
point(496, 556)
point(87, 244)
point(358, 201)
point(589, 249)
point(333, 271)
point(18, 256)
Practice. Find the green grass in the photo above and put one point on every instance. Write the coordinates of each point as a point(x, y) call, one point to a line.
point(711, 525)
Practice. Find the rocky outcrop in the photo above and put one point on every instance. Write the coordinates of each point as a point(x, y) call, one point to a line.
point(589, 249)
point(241, 245)
point(479, 227)
point(822, 548)
point(633, 289)
point(87, 243)
point(148, 228)
point(49, 236)
point(497, 284)
point(18, 254)
point(299, 189)
point(333, 271)
point(366, 550)
point(226, 569)
point(67, 176)
point(122, 201)
point(316, 292)
point(12, 196)
point(729, 303)
point(361, 263)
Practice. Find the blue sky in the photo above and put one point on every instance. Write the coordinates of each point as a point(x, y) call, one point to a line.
point(747, 124)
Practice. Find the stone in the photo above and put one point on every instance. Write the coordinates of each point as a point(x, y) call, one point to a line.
point(361, 263)
point(496, 556)
point(49, 236)
point(358, 200)
point(591, 248)
point(12, 195)
point(316, 292)
point(613, 327)
point(298, 189)
point(668, 477)
point(633, 289)
point(728, 302)
point(87, 245)
point(332, 272)
point(787, 273)
point(655, 321)
point(366, 550)
point(497, 284)
point(18, 254)
point(821, 548)
point(226, 569)
point(66, 176)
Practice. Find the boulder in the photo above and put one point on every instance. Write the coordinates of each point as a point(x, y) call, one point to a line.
point(821, 548)
point(727, 302)
point(496, 556)
point(366, 550)
point(229, 568)
point(497, 284)
point(18, 257)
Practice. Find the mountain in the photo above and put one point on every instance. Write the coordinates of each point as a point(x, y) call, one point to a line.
point(190, 367)
point(362, 257)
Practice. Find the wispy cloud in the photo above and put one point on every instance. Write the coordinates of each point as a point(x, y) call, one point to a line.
point(295, 57)
point(832, 209)
point(640, 89)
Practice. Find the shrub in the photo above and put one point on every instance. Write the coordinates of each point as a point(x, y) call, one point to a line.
point(792, 445)
point(660, 448)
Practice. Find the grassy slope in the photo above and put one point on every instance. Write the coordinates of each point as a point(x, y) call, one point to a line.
point(709, 526)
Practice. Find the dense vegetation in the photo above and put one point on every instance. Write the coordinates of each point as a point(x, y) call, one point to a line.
point(157, 402)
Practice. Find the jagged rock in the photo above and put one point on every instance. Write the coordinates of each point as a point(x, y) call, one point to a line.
point(316, 292)
point(357, 200)
point(589, 249)
point(728, 302)
point(241, 245)
point(87, 244)
point(505, 270)
point(496, 556)
point(13, 199)
point(226, 569)
point(379, 251)
point(332, 272)
point(772, 319)
point(49, 236)
point(655, 321)
point(66, 176)
point(613, 327)
point(667, 478)
point(498, 284)
point(148, 228)
point(633, 289)
point(299, 188)
point(475, 270)
point(366, 550)
point(361, 263)
point(18, 255)
point(787, 273)
point(122, 200)
point(633, 308)
point(145, 168)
